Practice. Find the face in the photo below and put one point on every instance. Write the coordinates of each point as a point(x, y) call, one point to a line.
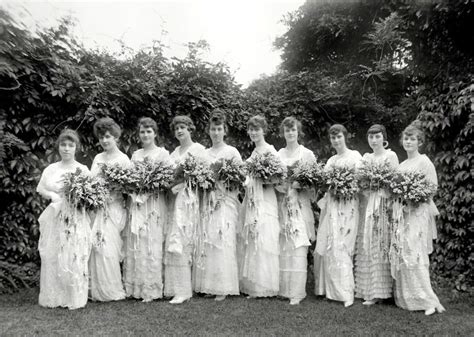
point(338, 141)
point(375, 140)
point(147, 135)
point(108, 141)
point(67, 149)
point(410, 142)
point(255, 133)
point(290, 133)
point(181, 132)
point(217, 133)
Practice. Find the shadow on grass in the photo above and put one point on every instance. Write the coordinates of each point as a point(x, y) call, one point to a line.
point(21, 315)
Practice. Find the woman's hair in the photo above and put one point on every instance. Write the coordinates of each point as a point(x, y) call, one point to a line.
point(181, 119)
point(107, 124)
point(377, 128)
point(71, 135)
point(414, 129)
point(147, 122)
point(290, 122)
point(217, 118)
point(257, 122)
point(336, 129)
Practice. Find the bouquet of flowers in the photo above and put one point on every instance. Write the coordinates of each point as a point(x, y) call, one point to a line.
point(307, 174)
point(83, 191)
point(342, 183)
point(375, 176)
point(196, 172)
point(267, 167)
point(150, 176)
point(230, 172)
point(411, 187)
point(119, 178)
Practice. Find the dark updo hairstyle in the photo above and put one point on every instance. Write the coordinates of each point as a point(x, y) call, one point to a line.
point(107, 124)
point(337, 129)
point(182, 119)
point(217, 118)
point(147, 122)
point(377, 128)
point(414, 129)
point(290, 122)
point(257, 122)
point(71, 135)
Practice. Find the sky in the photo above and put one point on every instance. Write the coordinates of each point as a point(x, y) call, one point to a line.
point(239, 32)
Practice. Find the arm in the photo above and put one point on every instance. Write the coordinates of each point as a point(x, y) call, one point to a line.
point(43, 190)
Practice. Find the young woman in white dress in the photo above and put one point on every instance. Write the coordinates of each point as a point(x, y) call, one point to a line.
point(184, 216)
point(106, 278)
point(295, 207)
point(63, 282)
point(142, 269)
point(337, 230)
point(410, 268)
point(259, 267)
point(215, 268)
point(373, 280)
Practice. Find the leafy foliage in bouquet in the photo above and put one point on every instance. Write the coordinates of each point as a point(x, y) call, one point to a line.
point(119, 178)
point(342, 183)
point(412, 187)
point(375, 176)
point(84, 191)
point(230, 171)
point(307, 174)
point(150, 176)
point(267, 167)
point(195, 172)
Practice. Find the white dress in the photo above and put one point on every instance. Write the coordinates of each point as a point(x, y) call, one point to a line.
point(179, 242)
point(104, 264)
point(64, 251)
point(414, 237)
point(259, 266)
point(338, 222)
point(142, 268)
point(215, 268)
point(373, 279)
point(295, 208)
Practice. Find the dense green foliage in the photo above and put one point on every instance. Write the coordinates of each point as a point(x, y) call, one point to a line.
point(355, 63)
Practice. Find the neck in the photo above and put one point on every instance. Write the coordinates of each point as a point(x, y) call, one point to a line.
point(413, 154)
point(112, 151)
point(186, 143)
point(379, 151)
point(67, 162)
point(292, 145)
point(218, 145)
point(342, 150)
point(149, 147)
point(260, 143)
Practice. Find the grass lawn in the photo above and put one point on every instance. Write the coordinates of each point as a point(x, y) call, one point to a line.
point(21, 315)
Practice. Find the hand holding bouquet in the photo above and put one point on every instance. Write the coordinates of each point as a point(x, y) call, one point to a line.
point(266, 167)
point(412, 187)
point(230, 172)
point(195, 172)
point(342, 183)
point(307, 174)
point(83, 191)
point(375, 176)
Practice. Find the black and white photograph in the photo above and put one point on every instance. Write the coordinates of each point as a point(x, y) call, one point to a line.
point(236, 168)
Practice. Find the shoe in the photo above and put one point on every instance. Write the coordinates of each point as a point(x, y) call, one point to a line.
point(440, 309)
point(220, 298)
point(295, 301)
point(369, 302)
point(146, 300)
point(430, 311)
point(179, 299)
point(251, 297)
point(348, 303)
